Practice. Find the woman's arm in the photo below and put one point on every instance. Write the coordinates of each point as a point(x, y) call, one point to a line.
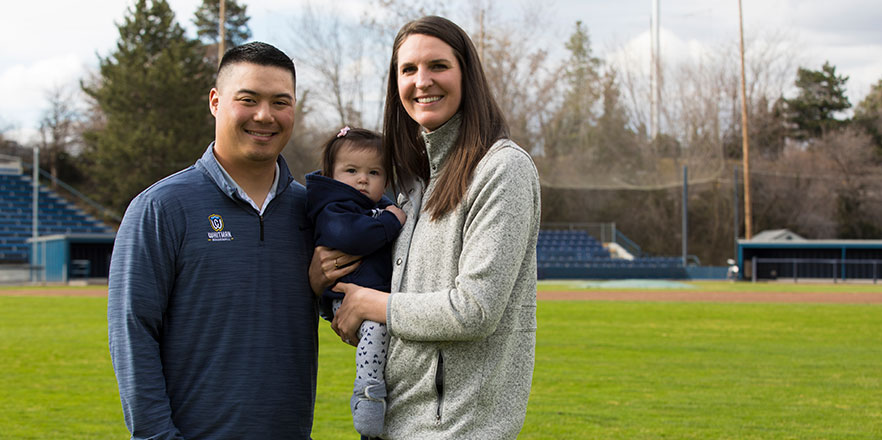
point(501, 223)
point(359, 304)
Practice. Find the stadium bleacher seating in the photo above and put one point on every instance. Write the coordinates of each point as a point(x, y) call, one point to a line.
point(56, 216)
point(577, 249)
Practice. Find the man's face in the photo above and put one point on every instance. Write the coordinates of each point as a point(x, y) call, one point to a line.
point(253, 106)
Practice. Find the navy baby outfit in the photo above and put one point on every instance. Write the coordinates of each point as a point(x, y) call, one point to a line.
point(347, 220)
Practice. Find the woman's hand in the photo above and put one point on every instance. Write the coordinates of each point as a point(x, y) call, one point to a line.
point(327, 266)
point(359, 304)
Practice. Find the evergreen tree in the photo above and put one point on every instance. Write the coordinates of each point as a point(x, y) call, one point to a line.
point(821, 97)
point(581, 73)
point(207, 20)
point(868, 115)
point(616, 143)
point(767, 130)
point(152, 93)
point(577, 116)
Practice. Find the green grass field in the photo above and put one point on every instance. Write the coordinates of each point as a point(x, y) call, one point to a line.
point(604, 370)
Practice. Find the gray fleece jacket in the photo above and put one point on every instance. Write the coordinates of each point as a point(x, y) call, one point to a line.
point(462, 313)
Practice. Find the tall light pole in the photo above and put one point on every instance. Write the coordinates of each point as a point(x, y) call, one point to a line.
point(685, 217)
point(654, 73)
point(35, 181)
point(745, 145)
point(35, 212)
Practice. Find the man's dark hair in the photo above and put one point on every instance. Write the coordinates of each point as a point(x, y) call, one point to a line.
point(258, 53)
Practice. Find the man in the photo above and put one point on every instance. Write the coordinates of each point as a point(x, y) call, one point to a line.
point(212, 321)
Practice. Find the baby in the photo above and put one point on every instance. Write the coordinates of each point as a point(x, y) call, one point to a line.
point(346, 204)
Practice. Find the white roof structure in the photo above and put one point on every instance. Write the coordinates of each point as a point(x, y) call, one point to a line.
point(777, 235)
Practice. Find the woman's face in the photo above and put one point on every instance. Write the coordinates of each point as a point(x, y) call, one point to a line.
point(429, 80)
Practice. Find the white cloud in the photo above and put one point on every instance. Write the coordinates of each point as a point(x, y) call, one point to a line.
point(24, 89)
point(847, 35)
point(635, 54)
point(50, 42)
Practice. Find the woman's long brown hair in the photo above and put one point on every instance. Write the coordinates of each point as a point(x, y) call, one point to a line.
point(482, 120)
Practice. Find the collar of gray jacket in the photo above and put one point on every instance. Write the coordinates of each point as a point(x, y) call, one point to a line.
point(440, 142)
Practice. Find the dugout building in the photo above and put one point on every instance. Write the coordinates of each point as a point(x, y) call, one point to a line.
point(782, 254)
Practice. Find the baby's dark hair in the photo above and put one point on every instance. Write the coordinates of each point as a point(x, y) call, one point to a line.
point(358, 138)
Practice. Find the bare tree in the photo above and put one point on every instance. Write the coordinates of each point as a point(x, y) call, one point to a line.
point(302, 150)
point(333, 51)
point(8, 146)
point(346, 57)
point(383, 19)
point(59, 128)
point(771, 60)
point(793, 191)
point(828, 190)
point(524, 81)
point(849, 155)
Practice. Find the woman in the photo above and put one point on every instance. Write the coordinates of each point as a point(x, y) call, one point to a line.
point(462, 312)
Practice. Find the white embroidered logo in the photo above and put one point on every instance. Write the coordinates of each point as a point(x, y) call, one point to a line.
point(217, 224)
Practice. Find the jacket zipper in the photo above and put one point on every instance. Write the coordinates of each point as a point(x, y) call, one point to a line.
point(439, 386)
point(261, 227)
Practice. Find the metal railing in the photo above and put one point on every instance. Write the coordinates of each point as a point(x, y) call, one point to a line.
point(603, 232)
point(608, 233)
point(629, 245)
point(839, 267)
point(97, 207)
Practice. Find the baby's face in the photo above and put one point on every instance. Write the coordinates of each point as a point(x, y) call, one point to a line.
point(362, 169)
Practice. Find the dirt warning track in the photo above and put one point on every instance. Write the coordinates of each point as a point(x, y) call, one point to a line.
point(664, 295)
point(704, 296)
point(97, 291)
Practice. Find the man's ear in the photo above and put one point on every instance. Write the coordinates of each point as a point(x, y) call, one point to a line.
point(213, 98)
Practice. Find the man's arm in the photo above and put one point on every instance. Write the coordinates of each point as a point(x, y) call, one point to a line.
point(329, 265)
point(141, 278)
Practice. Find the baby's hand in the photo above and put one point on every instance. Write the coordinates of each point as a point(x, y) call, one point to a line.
point(402, 217)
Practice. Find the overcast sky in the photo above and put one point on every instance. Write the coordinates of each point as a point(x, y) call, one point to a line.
point(54, 43)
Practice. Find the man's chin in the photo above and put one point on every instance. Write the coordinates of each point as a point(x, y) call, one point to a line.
point(263, 155)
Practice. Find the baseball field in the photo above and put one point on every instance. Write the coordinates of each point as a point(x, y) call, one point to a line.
point(615, 360)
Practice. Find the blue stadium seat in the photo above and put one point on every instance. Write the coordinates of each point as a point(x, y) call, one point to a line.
point(577, 251)
point(56, 216)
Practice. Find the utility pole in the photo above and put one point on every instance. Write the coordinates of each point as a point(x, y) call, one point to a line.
point(481, 36)
point(736, 224)
point(745, 145)
point(221, 31)
point(35, 211)
point(685, 216)
point(654, 72)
